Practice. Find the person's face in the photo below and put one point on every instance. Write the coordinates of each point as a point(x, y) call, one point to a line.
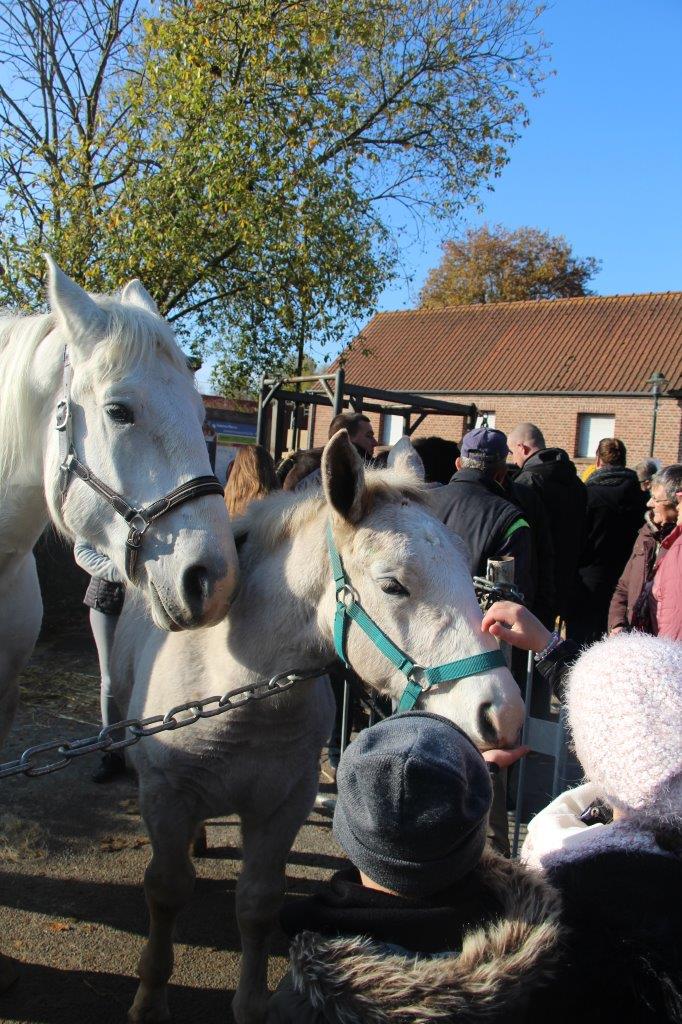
point(662, 509)
point(364, 438)
point(519, 452)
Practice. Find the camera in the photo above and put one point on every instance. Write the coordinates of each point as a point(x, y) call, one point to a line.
point(597, 813)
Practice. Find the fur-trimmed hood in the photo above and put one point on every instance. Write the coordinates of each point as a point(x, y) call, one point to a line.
point(356, 980)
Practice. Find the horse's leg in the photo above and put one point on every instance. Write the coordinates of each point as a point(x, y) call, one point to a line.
point(265, 848)
point(21, 612)
point(8, 972)
point(169, 880)
point(200, 841)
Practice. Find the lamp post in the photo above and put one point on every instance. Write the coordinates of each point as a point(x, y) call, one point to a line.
point(658, 382)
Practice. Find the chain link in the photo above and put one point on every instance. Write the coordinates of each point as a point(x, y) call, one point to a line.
point(487, 592)
point(31, 761)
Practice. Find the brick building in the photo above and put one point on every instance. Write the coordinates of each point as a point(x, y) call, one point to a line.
point(578, 368)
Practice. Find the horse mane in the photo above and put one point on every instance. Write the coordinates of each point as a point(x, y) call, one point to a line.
point(134, 337)
point(282, 514)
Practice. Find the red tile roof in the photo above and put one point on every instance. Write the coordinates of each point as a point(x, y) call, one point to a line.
point(602, 344)
point(230, 404)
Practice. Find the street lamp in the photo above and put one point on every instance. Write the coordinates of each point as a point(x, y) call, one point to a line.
point(658, 382)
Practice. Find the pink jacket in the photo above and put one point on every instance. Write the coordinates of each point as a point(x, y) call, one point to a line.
point(666, 592)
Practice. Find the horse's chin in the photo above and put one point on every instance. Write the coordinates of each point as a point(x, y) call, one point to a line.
point(160, 614)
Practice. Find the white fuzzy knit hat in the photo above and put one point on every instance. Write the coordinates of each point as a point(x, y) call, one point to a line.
point(624, 698)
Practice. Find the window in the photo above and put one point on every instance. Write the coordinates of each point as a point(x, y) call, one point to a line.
point(392, 428)
point(485, 419)
point(592, 427)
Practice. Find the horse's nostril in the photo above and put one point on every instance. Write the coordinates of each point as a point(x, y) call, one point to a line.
point(486, 724)
point(195, 585)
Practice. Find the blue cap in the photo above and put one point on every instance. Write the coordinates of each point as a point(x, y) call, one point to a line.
point(485, 443)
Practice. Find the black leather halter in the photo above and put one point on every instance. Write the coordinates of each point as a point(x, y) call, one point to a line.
point(138, 519)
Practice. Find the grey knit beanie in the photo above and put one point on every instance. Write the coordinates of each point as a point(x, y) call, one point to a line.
point(413, 801)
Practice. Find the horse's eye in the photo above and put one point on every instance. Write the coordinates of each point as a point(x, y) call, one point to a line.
point(120, 413)
point(392, 586)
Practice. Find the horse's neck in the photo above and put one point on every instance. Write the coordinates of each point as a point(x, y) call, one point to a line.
point(23, 517)
point(23, 508)
point(274, 621)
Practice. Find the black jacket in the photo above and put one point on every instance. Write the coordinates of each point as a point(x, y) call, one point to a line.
point(596, 940)
point(615, 514)
point(552, 475)
point(623, 953)
point(542, 555)
point(476, 953)
point(491, 526)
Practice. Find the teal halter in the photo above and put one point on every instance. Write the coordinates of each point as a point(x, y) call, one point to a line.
point(347, 608)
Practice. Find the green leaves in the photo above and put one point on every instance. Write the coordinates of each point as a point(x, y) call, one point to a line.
point(241, 157)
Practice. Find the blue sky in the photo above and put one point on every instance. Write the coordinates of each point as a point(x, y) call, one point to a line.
point(601, 161)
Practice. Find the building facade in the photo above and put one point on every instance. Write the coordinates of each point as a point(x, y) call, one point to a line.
point(581, 369)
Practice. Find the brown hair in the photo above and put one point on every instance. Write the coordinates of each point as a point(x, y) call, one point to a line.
point(611, 451)
point(251, 476)
point(349, 421)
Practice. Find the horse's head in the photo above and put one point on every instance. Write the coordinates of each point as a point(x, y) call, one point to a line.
point(136, 423)
point(410, 575)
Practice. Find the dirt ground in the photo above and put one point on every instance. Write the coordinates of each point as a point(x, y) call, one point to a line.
point(73, 854)
point(72, 857)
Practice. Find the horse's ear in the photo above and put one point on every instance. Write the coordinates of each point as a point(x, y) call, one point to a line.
point(404, 458)
point(78, 312)
point(343, 477)
point(135, 294)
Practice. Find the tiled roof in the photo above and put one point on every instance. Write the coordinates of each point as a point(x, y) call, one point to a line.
point(594, 344)
point(229, 404)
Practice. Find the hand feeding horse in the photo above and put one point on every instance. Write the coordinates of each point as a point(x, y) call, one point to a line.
point(394, 562)
point(99, 419)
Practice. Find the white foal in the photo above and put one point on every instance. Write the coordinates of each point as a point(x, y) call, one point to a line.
point(261, 761)
point(135, 421)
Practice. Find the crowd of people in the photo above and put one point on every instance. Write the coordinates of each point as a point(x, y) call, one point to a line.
point(429, 921)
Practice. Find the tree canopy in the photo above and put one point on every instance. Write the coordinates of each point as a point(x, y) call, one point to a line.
point(496, 265)
point(240, 157)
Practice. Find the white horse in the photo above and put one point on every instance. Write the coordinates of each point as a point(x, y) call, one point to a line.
point(127, 411)
point(261, 761)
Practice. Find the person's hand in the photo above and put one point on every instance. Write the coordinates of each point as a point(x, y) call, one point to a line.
point(616, 630)
point(515, 625)
point(505, 758)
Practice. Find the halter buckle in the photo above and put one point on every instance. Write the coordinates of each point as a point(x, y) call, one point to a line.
point(416, 675)
point(347, 595)
point(63, 414)
point(139, 524)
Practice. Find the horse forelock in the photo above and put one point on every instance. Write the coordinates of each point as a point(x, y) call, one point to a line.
point(283, 515)
point(134, 341)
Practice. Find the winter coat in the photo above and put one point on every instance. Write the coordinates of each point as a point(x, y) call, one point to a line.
point(616, 506)
point(636, 573)
point(666, 591)
point(474, 507)
point(555, 667)
point(361, 965)
point(552, 475)
point(542, 549)
point(620, 893)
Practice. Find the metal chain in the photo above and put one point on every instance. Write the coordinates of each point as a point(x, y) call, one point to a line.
point(487, 592)
point(207, 707)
